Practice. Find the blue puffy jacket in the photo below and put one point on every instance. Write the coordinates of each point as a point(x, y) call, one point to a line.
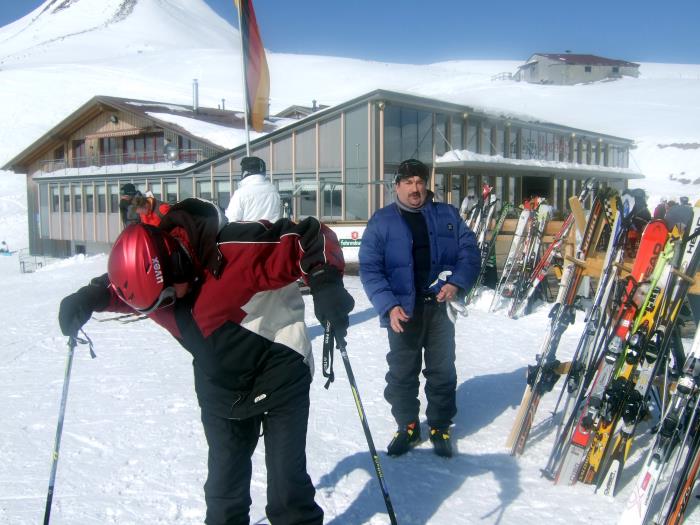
point(386, 259)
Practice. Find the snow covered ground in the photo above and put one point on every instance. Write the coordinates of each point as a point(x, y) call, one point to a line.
point(133, 451)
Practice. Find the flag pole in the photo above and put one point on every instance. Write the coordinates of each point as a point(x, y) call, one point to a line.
point(244, 77)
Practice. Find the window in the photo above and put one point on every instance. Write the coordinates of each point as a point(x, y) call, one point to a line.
point(101, 199)
point(615, 69)
point(113, 198)
point(89, 198)
point(55, 201)
point(472, 136)
point(79, 156)
point(143, 148)
point(305, 151)
point(204, 189)
point(59, 153)
point(223, 193)
point(65, 197)
point(356, 143)
point(77, 199)
point(109, 153)
point(170, 192)
point(587, 69)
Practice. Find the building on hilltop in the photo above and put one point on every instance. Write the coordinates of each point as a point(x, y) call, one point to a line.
point(337, 164)
point(569, 68)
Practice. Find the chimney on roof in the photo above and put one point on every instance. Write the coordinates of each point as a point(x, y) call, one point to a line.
point(223, 104)
point(195, 95)
point(313, 105)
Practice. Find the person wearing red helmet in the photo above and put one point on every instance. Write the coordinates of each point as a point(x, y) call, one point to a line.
point(221, 290)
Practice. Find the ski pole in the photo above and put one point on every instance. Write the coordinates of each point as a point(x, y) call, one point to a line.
point(72, 343)
point(328, 338)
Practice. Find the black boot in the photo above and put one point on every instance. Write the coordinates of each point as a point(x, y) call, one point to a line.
point(441, 442)
point(404, 439)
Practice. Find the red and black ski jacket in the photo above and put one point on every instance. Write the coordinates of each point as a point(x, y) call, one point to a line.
point(244, 321)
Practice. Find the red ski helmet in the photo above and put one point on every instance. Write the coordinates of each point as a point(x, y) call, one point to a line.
point(143, 265)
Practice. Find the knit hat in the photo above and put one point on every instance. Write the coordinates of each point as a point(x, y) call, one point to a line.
point(128, 189)
point(252, 166)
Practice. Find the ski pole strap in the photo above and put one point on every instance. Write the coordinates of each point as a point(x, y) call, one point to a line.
point(85, 340)
point(327, 363)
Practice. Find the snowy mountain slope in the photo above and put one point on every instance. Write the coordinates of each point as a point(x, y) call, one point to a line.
point(102, 30)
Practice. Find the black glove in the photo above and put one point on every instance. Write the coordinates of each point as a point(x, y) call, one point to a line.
point(332, 302)
point(76, 308)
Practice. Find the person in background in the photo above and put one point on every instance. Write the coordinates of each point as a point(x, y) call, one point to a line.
point(4, 248)
point(660, 210)
point(215, 288)
point(256, 197)
point(150, 210)
point(127, 193)
point(679, 214)
point(415, 257)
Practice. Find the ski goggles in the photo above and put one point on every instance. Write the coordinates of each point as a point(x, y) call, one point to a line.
point(166, 298)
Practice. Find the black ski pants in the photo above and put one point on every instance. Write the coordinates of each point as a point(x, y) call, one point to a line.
point(428, 335)
point(290, 493)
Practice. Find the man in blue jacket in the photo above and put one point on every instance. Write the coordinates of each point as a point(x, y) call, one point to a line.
point(416, 256)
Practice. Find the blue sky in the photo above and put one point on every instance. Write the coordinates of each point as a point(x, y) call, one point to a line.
point(419, 32)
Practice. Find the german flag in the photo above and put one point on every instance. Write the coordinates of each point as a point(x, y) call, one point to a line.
point(257, 75)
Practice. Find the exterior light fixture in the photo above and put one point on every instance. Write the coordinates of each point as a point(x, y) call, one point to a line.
point(381, 105)
point(113, 119)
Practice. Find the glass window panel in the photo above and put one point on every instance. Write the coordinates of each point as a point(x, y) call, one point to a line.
point(425, 137)
point(409, 133)
point(563, 149)
point(441, 135)
point(305, 151)
point(101, 199)
point(55, 199)
point(392, 134)
point(331, 203)
point(285, 187)
point(486, 142)
point(456, 133)
point(77, 199)
point(223, 193)
point(65, 198)
point(89, 198)
point(44, 202)
point(356, 143)
point(501, 147)
point(204, 189)
point(440, 187)
point(329, 143)
point(155, 188)
point(170, 192)
point(185, 184)
point(282, 152)
point(513, 143)
point(306, 190)
point(113, 198)
point(472, 136)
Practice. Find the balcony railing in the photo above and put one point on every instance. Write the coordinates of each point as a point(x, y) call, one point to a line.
point(121, 163)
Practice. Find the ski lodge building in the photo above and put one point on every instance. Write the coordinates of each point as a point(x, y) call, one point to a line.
point(569, 69)
point(337, 163)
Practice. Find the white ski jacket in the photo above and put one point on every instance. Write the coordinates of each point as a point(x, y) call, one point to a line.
point(256, 198)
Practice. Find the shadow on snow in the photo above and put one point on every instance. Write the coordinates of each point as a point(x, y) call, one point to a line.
point(420, 482)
